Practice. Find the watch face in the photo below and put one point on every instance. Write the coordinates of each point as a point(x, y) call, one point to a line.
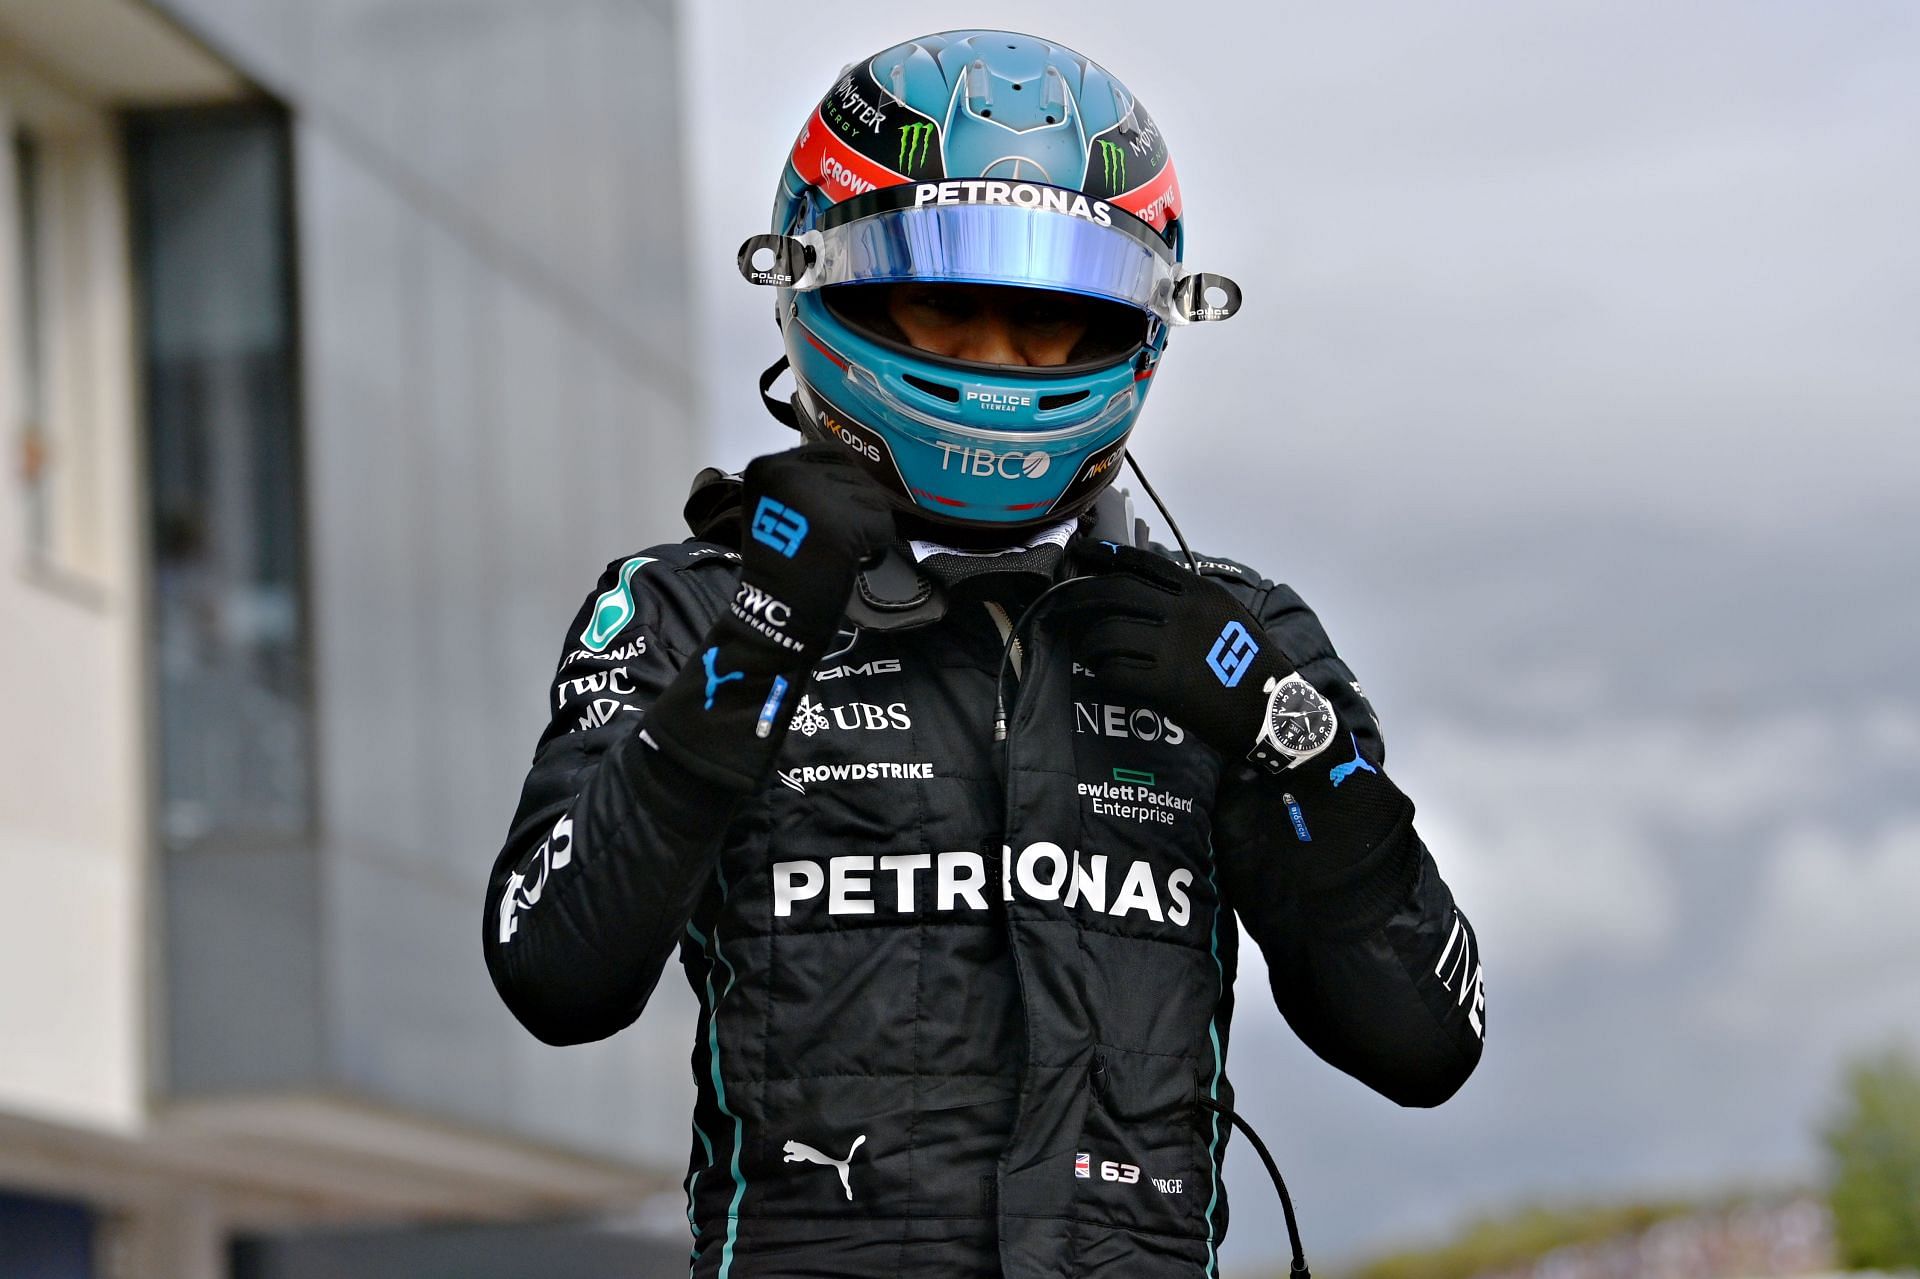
point(1299, 720)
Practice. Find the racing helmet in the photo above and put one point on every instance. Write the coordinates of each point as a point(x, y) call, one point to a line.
point(979, 158)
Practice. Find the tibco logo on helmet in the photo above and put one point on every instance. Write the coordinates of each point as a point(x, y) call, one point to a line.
point(887, 166)
point(1013, 465)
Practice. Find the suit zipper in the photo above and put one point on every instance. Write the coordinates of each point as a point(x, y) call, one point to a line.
point(1003, 624)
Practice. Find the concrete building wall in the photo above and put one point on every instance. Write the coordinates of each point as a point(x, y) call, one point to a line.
point(496, 403)
point(72, 842)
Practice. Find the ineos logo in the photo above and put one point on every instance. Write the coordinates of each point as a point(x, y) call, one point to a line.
point(1135, 722)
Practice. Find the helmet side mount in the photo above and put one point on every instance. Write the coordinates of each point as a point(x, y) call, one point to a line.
point(777, 261)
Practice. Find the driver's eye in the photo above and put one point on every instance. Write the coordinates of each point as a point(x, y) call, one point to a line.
point(1048, 313)
point(945, 304)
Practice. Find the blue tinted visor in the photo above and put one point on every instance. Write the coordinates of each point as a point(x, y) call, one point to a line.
point(995, 244)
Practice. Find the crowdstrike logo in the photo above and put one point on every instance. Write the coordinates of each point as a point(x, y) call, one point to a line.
point(798, 779)
point(916, 140)
point(1015, 464)
point(834, 173)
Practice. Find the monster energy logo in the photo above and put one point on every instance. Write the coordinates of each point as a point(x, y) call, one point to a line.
point(1113, 160)
point(914, 141)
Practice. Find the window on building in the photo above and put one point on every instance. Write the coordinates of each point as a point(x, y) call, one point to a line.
point(213, 257)
point(63, 369)
point(30, 408)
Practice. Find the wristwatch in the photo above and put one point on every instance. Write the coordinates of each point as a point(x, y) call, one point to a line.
point(1299, 724)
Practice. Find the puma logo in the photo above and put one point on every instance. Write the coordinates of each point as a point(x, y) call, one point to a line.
point(1341, 772)
point(800, 1152)
point(714, 678)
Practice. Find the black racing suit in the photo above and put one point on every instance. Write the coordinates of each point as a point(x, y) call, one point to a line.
point(960, 1000)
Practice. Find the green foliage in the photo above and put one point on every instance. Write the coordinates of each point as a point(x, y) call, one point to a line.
point(1519, 1238)
point(1873, 1146)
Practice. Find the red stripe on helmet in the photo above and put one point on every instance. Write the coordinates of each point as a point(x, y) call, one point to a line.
point(1155, 201)
point(822, 160)
point(821, 347)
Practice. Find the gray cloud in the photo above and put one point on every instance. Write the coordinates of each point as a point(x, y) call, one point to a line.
point(1576, 387)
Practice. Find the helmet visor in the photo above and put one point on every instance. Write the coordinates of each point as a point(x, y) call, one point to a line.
point(1007, 244)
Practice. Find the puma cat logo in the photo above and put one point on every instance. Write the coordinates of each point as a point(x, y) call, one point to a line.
point(801, 1152)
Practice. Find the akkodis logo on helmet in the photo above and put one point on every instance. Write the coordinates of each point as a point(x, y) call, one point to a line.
point(778, 526)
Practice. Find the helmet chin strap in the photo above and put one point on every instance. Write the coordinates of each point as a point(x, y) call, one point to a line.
point(782, 411)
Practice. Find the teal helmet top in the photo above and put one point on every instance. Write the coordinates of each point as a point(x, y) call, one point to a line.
point(979, 158)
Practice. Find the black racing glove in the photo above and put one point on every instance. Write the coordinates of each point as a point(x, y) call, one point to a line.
point(810, 519)
point(1151, 630)
point(1149, 627)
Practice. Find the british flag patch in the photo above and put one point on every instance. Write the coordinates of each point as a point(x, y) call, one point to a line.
point(1082, 1165)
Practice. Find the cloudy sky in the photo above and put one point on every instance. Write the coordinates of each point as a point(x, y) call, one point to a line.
point(1578, 387)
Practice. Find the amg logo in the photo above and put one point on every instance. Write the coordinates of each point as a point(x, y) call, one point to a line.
point(601, 713)
point(878, 666)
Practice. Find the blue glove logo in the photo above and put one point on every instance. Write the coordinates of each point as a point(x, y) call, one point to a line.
point(1232, 654)
point(778, 526)
point(714, 678)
